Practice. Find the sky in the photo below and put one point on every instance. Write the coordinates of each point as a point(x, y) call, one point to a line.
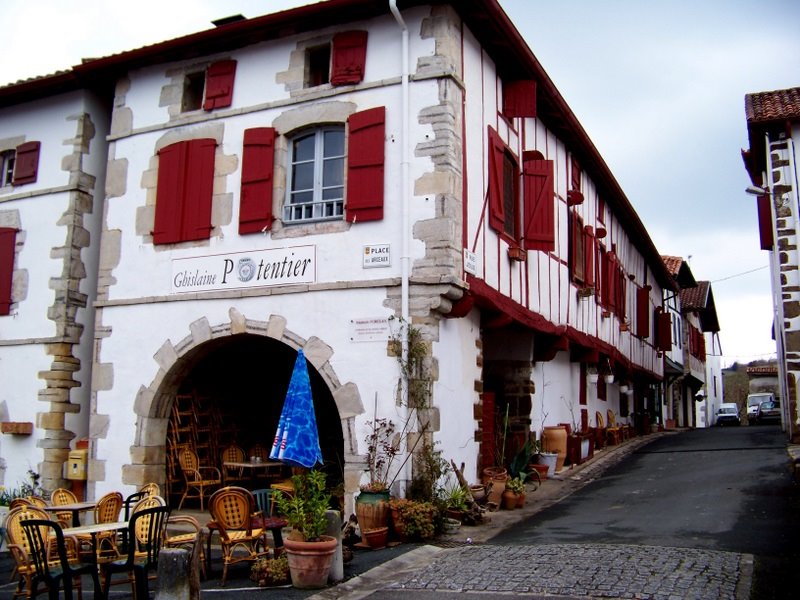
point(658, 86)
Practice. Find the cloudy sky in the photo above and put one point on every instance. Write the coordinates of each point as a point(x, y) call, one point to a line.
point(658, 86)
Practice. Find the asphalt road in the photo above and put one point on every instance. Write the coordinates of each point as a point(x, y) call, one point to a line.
point(722, 489)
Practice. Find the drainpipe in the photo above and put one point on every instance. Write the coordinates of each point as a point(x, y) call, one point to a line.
point(405, 191)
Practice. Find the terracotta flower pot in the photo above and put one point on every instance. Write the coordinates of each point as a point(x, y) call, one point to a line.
point(520, 500)
point(310, 562)
point(554, 439)
point(376, 538)
point(509, 499)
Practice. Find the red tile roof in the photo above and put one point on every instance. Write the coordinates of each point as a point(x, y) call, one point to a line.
point(695, 298)
point(673, 264)
point(772, 106)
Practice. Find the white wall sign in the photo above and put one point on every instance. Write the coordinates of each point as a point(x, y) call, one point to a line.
point(367, 329)
point(259, 268)
point(470, 262)
point(377, 255)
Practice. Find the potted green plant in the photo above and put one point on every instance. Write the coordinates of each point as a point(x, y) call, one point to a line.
point(456, 501)
point(309, 550)
point(372, 504)
point(413, 520)
point(515, 489)
point(271, 572)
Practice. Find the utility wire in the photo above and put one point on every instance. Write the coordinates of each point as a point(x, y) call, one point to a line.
point(742, 273)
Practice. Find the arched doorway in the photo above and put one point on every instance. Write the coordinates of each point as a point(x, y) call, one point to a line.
point(230, 391)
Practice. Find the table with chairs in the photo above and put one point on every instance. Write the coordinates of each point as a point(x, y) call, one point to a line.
point(53, 555)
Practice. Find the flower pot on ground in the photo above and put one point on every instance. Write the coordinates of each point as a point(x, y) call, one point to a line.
point(271, 572)
point(375, 538)
point(549, 459)
point(372, 510)
point(554, 439)
point(309, 551)
point(539, 468)
point(514, 487)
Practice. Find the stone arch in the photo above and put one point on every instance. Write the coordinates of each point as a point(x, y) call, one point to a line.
point(154, 401)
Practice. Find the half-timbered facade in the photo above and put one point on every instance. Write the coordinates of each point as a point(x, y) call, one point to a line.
point(318, 179)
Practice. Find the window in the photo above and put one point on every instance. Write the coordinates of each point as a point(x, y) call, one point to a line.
point(318, 60)
point(184, 191)
point(643, 311)
point(342, 62)
point(209, 89)
point(316, 176)
point(7, 160)
point(8, 240)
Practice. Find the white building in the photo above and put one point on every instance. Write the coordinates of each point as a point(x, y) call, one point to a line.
point(316, 178)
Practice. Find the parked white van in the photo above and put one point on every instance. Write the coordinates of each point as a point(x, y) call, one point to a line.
point(754, 401)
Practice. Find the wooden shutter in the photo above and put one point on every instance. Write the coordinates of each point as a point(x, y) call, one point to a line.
point(8, 241)
point(643, 311)
point(663, 330)
point(765, 222)
point(185, 187)
point(539, 202)
point(255, 202)
point(495, 191)
point(621, 292)
point(365, 159)
point(589, 249)
point(26, 163)
point(219, 84)
point(349, 57)
point(519, 98)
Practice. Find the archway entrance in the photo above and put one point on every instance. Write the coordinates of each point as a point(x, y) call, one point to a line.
point(231, 392)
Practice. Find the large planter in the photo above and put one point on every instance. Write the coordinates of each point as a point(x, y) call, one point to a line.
point(554, 439)
point(310, 562)
point(372, 511)
point(550, 459)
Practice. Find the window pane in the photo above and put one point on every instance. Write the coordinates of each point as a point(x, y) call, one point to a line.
point(303, 176)
point(333, 172)
point(303, 149)
point(302, 197)
point(333, 193)
point(334, 143)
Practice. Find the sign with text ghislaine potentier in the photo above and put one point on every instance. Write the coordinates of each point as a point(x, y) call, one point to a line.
point(257, 268)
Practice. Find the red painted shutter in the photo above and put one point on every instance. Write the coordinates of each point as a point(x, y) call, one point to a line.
point(539, 197)
point(26, 163)
point(495, 191)
point(255, 203)
point(643, 311)
point(349, 57)
point(365, 160)
point(575, 174)
point(185, 187)
point(8, 240)
point(765, 222)
point(588, 253)
point(219, 84)
point(519, 98)
point(622, 299)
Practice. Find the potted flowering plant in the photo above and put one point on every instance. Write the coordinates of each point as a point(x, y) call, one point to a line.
point(413, 520)
point(372, 504)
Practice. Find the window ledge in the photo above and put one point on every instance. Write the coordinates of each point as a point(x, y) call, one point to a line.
point(16, 428)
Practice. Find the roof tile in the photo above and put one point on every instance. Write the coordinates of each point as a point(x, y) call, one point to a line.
point(771, 106)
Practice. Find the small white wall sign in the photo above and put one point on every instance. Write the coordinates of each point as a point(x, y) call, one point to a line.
point(470, 262)
point(377, 255)
point(369, 329)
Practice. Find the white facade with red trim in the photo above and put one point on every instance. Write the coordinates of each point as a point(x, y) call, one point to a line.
point(471, 155)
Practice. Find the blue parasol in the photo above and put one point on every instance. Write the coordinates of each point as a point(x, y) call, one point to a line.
point(297, 440)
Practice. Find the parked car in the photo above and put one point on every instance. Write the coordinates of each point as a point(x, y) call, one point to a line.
point(769, 411)
point(728, 414)
point(754, 402)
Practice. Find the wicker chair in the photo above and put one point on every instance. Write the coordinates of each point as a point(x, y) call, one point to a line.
point(232, 453)
point(197, 478)
point(151, 489)
point(59, 497)
point(20, 550)
point(599, 431)
point(107, 510)
point(184, 531)
point(614, 433)
point(232, 512)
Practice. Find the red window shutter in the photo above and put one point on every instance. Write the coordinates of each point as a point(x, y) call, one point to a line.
point(185, 187)
point(349, 57)
point(589, 248)
point(622, 299)
point(765, 223)
point(495, 191)
point(575, 175)
point(610, 281)
point(663, 330)
point(8, 240)
point(539, 196)
point(26, 163)
point(365, 159)
point(519, 98)
point(255, 203)
point(219, 84)
point(643, 311)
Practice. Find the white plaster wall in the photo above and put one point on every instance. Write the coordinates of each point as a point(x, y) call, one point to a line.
point(454, 392)
point(19, 366)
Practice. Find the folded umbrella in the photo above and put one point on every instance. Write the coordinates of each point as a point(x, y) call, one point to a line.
point(297, 439)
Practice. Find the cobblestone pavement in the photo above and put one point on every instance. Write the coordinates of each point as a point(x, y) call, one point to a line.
point(583, 570)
